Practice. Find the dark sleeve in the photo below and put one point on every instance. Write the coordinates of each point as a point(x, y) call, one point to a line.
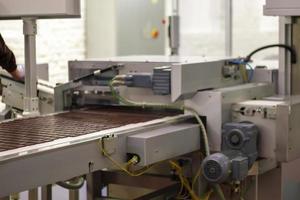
point(7, 57)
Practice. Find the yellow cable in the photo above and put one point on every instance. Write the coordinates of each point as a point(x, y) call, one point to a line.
point(179, 195)
point(198, 174)
point(244, 73)
point(121, 167)
point(183, 180)
point(126, 101)
point(208, 195)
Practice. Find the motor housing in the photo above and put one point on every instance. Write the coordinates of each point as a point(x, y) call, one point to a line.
point(239, 152)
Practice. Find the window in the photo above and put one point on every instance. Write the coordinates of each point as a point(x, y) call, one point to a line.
point(203, 28)
point(252, 30)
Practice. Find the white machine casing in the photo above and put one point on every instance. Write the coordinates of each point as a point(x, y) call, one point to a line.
point(278, 123)
point(15, 9)
point(282, 8)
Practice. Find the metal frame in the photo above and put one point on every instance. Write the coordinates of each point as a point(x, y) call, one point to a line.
point(47, 192)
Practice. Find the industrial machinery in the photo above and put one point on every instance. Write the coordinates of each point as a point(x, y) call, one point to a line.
point(193, 126)
point(158, 97)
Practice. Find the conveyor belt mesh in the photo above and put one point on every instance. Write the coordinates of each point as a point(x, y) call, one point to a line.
point(31, 131)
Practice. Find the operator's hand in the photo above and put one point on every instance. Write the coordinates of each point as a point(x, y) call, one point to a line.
point(19, 73)
point(8, 61)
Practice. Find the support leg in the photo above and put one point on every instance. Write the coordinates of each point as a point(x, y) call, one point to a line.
point(33, 194)
point(94, 185)
point(15, 197)
point(47, 192)
point(73, 194)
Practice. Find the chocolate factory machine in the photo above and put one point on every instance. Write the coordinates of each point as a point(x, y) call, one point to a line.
point(162, 127)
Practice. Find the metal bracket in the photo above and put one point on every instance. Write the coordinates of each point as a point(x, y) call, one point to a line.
point(109, 144)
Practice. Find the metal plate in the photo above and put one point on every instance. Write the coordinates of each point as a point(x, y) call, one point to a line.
point(15, 9)
point(31, 131)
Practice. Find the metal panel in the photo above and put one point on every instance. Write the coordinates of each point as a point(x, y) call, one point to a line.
point(187, 79)
point(169, 142)
point(288, 127)
point(15, 9)
point(146, 32)
point(279, 126)
point(122, 27)
point(282, 8)
point(295, 70)
point(264, 75)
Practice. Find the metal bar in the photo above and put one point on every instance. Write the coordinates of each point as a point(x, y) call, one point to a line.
point(145, 181)
point(228, 28)
point(73, 194)
point(174, 28)
point(33, 194)
point(171, 189)
point(295, 86)
point(94, 185)
point(175, 7)
point(47, 192)
point(256, 187)
point(285, 37)
point(30, 98)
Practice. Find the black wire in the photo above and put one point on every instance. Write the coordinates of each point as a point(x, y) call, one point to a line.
point(289, 48)
point(110, 68)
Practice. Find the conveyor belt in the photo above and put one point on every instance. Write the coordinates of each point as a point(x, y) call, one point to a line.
point(32, 131)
